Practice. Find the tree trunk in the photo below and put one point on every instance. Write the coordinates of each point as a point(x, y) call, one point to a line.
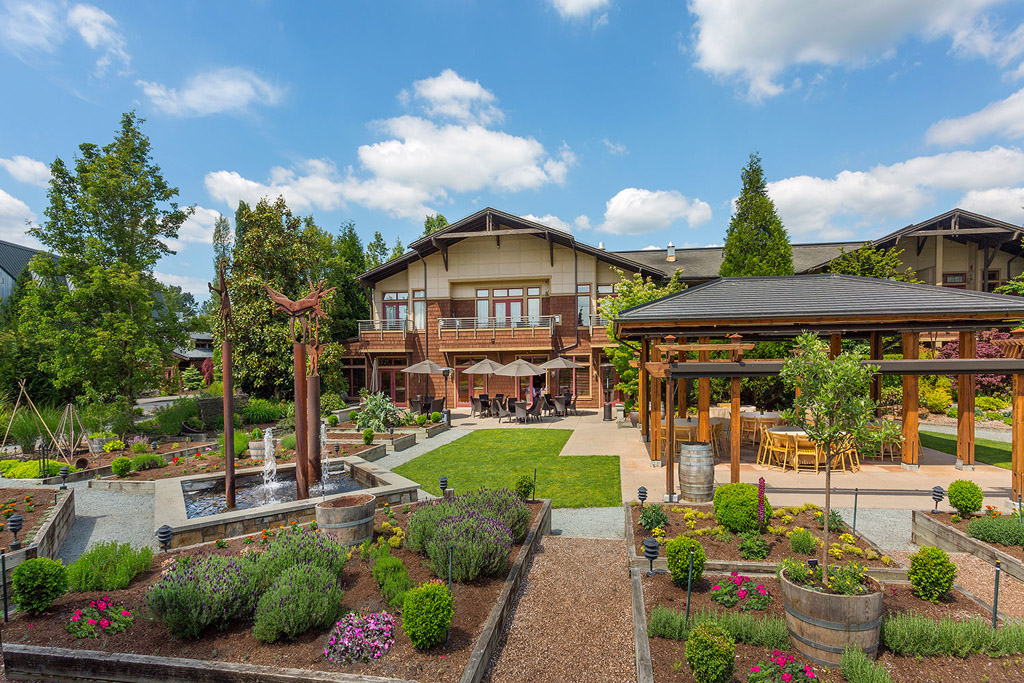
point(828, 513)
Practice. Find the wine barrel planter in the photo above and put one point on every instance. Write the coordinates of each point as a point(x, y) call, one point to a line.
point(696, 472)
point(256, 449)
point(822, 625)
point(348, 519)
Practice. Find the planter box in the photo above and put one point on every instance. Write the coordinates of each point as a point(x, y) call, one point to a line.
point(93, 472)
point(50, 535)
point(928, 531)
point(399, 443)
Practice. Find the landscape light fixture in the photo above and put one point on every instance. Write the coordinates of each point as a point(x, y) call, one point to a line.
point(337, 447)
point(813, 564)
point(163, 536)
point(391, 432)
point(938, 495)
point(651, 547)
point(64, 472)
point(641, 493)
point(14, 525)
point(444, 485)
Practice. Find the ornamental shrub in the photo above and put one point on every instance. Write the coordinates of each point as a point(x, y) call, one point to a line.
point(361, 639)
point(108, 566)
point(256, 434)
point(857, 668)
point(678, 553)
point(711, 653)
point(368, 436)
point(302, 598)
point(262, 411)
point(36, 583)
point(1005, 530)
point(139, 444)
point(482, 545)
point(392, 578)
point(965, 496)
point(524, 487)
point(148, 461)
point(427, 614)
point(421, 420)
point(288, 442)
point(736, 507)
point(202, 591)
point(300, 546)
point(803, 542)
point(435, 417)
point(354, 416)
point(332, 421)
point(30, 469)
point(652, 517)
point(753, 546)
point(931, 573)
point(121, 466)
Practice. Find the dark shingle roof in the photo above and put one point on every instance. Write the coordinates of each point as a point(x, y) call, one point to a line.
point(14, 258)
point(820, 296)
point(703, 263)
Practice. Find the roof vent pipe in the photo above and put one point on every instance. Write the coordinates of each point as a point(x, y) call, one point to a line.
point(671, 256)
point(600, 245)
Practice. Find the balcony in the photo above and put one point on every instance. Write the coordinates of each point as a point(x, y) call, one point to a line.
point(506, 333)
point(384, 335)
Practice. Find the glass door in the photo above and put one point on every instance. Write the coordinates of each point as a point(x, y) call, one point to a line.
point(468, 385)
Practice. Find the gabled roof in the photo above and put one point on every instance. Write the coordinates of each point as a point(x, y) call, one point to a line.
point(14, 258)
point(498, 223)
point(817, 301)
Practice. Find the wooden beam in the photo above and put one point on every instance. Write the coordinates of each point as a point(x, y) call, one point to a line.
point(1017, 444)
point(656, 419)
point(642, 390)
point(835, 345)
point(875, 353)
point(681, 391)
point(444, 251)
point(670, 437)
point(734, 429)
point(770, 368)
point(672, 348)
point(491, 233)
point(656, 369)
point(704, 398)
point(911, 347)
point(921, 241)
point(551, 248)
point(965, 408)
point(960, 231)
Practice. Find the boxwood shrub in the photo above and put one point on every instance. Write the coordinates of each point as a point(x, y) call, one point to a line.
point(36, 583)
point(931, 573)
point(678, 553)
point(736, 507)
point(427, 614)
point(711, 653)
point(121, 466)
point(965, 496)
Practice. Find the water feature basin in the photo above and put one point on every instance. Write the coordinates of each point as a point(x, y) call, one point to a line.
point(206, 497)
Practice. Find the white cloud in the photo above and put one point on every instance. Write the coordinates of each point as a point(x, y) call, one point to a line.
point(549, 220)
point(225, 90)
point(809, 205)
point(1003, 117)
point(616, 148)
point(198, 228)
point(450, 95)
point(13, 214)
point(1004, 203)
point(315, 184)
point(27, 170)
point(99, 31)
point(984, 40)
point(756, 41)
point(194, 285)
point(582, 222)
point(578, 9)
point(651, 247)
point(635, 211)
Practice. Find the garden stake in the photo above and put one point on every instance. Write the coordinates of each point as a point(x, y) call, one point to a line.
point(3, 569)
point(855, 491)
point(535, 483)
point(54, 497)
point(451, 550)
point(1020, 511)
point(995, 597)
point(689, 585)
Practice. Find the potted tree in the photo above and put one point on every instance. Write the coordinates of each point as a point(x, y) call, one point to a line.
point(829, 612)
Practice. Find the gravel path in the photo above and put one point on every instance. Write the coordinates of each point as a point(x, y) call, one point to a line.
point(588, 522)
point(393, 460)
point(980, 432)
point(889, 529)
point(979, 577)
point(573, 619)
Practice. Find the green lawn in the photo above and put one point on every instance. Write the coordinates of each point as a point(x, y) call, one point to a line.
point(985, 450)
point(495, 458)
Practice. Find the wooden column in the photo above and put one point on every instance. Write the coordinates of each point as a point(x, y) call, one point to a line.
point(911, 346)
point(681, 390)
point(301, 452)
point(875, 353)
point(642, 405)
point(670, 438)
point(965, 407)
point(734, 429)
point(704, 398)
point(655, 418)
point(835, 346)
point(1017, 445)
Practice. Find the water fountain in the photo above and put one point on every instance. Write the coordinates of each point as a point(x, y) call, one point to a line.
point(323, 460)
point(269, 466)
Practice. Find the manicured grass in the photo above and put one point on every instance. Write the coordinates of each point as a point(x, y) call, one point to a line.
point(985, 450)
point(495, 458)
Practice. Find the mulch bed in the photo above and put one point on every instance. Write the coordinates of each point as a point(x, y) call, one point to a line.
point(41, 500)
point(205, 463)
point(947, 519)
point(715, 549)
point(443, 663)
point(669, 656)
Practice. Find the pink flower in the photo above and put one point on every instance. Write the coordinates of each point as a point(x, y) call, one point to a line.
point(716, 587)
point(755, 669)
point(742, 593)
point(92, 604)
point(125, 613)
point(810, 674)
point(101, 605)
point(104, 623)
point(787, 677)
point(91, 622)
point(75, 617)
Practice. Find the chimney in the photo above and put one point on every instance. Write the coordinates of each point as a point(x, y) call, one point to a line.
point(671, 256)
point(600, 245)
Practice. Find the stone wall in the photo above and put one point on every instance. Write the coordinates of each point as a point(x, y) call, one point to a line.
point(211, 409)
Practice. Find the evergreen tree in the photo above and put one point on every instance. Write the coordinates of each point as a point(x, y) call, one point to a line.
point(397, 250)
point(756, 242)
point(222, 242)
point(434, 223)
point(376, 251)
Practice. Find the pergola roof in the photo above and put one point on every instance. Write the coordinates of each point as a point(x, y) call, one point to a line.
point(786, 305)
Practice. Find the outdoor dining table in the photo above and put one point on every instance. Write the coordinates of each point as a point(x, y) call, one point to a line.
point(686, 427)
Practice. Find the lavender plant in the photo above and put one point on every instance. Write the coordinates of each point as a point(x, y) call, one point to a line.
point(503, 505)
point(481, 546)
point(300, 546)
point(302, 598)
point(205, 591)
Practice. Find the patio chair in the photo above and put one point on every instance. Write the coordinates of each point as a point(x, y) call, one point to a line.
point(762, 448)
point(717, 439)
point(503, 412)
point(476, 407)
point(805, 454)
point(748, 430)
point(572, 406)
point(549, 405)
point(415, 405)
point(559, 406)
point(780, 446)
point(436, 406)
point(521, 415)
point(534, 410)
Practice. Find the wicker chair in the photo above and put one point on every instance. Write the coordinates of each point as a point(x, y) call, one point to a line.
point(503, 412)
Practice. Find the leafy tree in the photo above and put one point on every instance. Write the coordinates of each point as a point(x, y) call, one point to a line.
point(223, 241)
point(756, 242)
point(96, 308)
point(832, 405)
point(397, 250)
point(376, 251)
point(9, 306)
point(632, 291)
point(434, 223)
point(869, 261)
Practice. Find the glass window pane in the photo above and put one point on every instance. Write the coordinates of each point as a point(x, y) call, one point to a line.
point(583, 289)
point(533, 291)
point(482, 292)
point(482, 311)
point(419, 315)
point(501, 292)
point(515, 291)
point(418, 294)
point(390, 296)
point(604, 289)
point(583, 310)
point(533, 310)
point(403, 296)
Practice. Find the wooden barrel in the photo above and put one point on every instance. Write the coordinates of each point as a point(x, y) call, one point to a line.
point(821, 626)
point(348, 519)
point(256, 449)
point(696, 472)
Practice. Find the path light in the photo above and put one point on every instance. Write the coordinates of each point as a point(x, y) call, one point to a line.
point(641, 493)
point(14, 525)
point(812, 563)
point(163, 537)
point(651, 547)
point(938, 495)
point(337, 447)
point(64, 472)
point(444, 485)
point(391, 431)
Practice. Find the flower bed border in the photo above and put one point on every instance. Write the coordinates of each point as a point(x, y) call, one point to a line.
point(399, 443)
point(927, 531)
point(33, 662)
point(51, 534)
point(93, 472)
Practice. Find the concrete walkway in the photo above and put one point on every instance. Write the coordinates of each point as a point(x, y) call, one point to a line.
point(393, 460)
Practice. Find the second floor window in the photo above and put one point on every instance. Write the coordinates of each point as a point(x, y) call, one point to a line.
point(583, 304)
point(419, 309)
point(396, 310)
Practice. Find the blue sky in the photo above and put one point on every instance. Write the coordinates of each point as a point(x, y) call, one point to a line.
point(624, 122)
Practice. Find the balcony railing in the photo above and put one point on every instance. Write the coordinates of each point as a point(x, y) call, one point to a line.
point(388, 325)
point(524, 322)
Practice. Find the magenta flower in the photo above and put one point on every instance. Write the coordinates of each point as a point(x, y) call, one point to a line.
point(76, 617)
point(755, 669)
point(91, 622)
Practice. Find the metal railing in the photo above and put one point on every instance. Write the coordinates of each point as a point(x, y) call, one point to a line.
point(388, 325)
point(511, 322)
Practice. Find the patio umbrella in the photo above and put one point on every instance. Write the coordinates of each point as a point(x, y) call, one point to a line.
point(428, 367)
point(558, 364)
point(520, 368)
point(484, 367)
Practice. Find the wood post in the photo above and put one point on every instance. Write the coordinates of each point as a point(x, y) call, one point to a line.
point(965, 407)
point(910, 450)
point(681, 391)
point(313, 464)
point(229, 416)
point(642, 406)
point(1017, 446)
point(835, 346)
point(704, 398)
point(734, 428)
point(301, 464)
point(670, 437)
point(875, 353)
point(655, 418)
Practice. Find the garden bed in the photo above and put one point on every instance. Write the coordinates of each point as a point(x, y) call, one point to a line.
point(930, 528)
point(397, 441)
point(726, 547)
point(474, 603)
point(41, 501)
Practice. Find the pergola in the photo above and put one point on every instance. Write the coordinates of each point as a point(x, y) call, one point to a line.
point(735, 312)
